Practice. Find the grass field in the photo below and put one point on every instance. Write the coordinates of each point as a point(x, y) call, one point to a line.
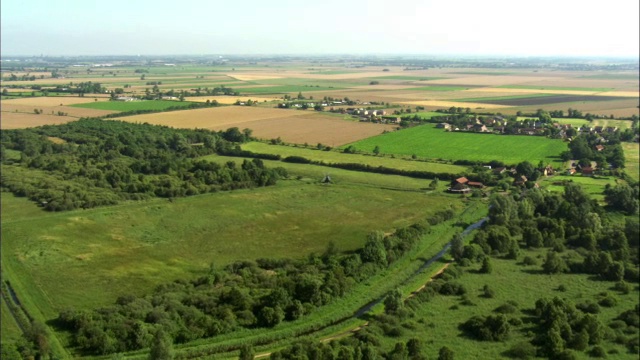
point(594, 186)
point(156, 105)
point(428, 142)
point(111, 251)
point(436, 322)
point(632, 159)
point(339, 157)
point(426, 114)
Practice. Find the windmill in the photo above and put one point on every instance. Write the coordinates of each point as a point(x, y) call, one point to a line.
point(326, 179)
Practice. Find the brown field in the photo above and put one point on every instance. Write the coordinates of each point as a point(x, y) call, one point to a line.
point(52, 100)
point(622, 108)
point(447, 104)
point(291, 125)
point(13, 120)
point(486, 80)
point(73, 112)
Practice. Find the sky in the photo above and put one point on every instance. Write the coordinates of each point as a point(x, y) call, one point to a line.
point(210, 27)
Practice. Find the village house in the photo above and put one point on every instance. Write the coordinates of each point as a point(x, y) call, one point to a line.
point(599, 147)
point(445, 126)
point(475, 184)
point(587, 171)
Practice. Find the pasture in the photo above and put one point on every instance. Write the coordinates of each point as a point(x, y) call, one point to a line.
point(295, 126)
point(111, 251)
point(154, 105)
point(436, 321)
point(632, 159)
point(339, 157)
point(594, 186)
point(428, 142)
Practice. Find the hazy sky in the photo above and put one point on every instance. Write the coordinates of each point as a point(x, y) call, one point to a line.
point(474, 27)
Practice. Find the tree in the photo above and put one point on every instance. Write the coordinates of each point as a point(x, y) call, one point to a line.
point(374, 250)
point(162, 347)
point(445, 353)
point(246, 352)
point(554, 264)
point(457, 247)
point(376, 150)
point(393, 302)
point(486, 268)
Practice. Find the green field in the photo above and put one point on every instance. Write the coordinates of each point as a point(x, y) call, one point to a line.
point(10, 330)
point(572, 121)
point(436, 322)
point(428, 142)
point(155, 105)
point(632, 159)
point(534, 87)
point(425, 114)
point(111, 251)
point(594, 186)
point(339, 157)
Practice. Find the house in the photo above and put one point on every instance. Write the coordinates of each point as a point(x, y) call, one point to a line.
point(548, 170)
point(599, 147)
point(571, 171)
point(379, 112)
point(598, 129)
point(459, 188)
point(499, 170)
point(461, 180)
point(445, 126)
point(475, 184)
point(125, 98)
point(480, 128)
point(587, 171)
point(521, 180)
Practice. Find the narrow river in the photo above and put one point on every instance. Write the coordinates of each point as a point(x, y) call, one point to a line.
point(365, 309)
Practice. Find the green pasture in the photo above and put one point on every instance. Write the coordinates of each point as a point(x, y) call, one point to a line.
point(158, 105)
point(620, 124)
point(592, 185)
point(10, 330)
point(316, 173)
point(572, 121)
point(436, 322)
point(535, 87)
point(107, 252)
point(632, 159)
point(426, 115)
point(428, 142)
point(339, 157)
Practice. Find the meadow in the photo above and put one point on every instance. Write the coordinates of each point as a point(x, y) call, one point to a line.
point(131, 248)
point(426, 141)
point(436, 322)
point(154, 105)
point(594, 186)
point(632, 159)
point(339, 157)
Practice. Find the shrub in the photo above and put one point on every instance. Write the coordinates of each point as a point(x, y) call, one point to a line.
point(506, 309)
point(528, 260)
point(598, 352)
point(522, 350)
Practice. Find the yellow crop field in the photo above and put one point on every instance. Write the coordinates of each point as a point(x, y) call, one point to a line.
point(16, 120)
point(290, 125)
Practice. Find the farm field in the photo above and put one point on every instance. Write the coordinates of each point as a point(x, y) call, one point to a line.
point(156, 105)
point(632, 157)
point(428, 142)
point(18, 120)
point(295, 126)
point(338, 157)
point(131, 248)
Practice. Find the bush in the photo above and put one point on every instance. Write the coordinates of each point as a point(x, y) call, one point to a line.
point(490, 328)
point(506, 309)
point(598, 352)
point(528, 260)
point(522, 350)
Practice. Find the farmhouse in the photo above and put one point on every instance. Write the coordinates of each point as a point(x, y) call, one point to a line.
point(459, 188)
point(587, 171)
point(571, 171)
point(461, 180)
point(599, 147)
point(445, 126)
point(475, 184)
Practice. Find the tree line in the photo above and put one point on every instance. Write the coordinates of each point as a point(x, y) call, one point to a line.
point(105, 162)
